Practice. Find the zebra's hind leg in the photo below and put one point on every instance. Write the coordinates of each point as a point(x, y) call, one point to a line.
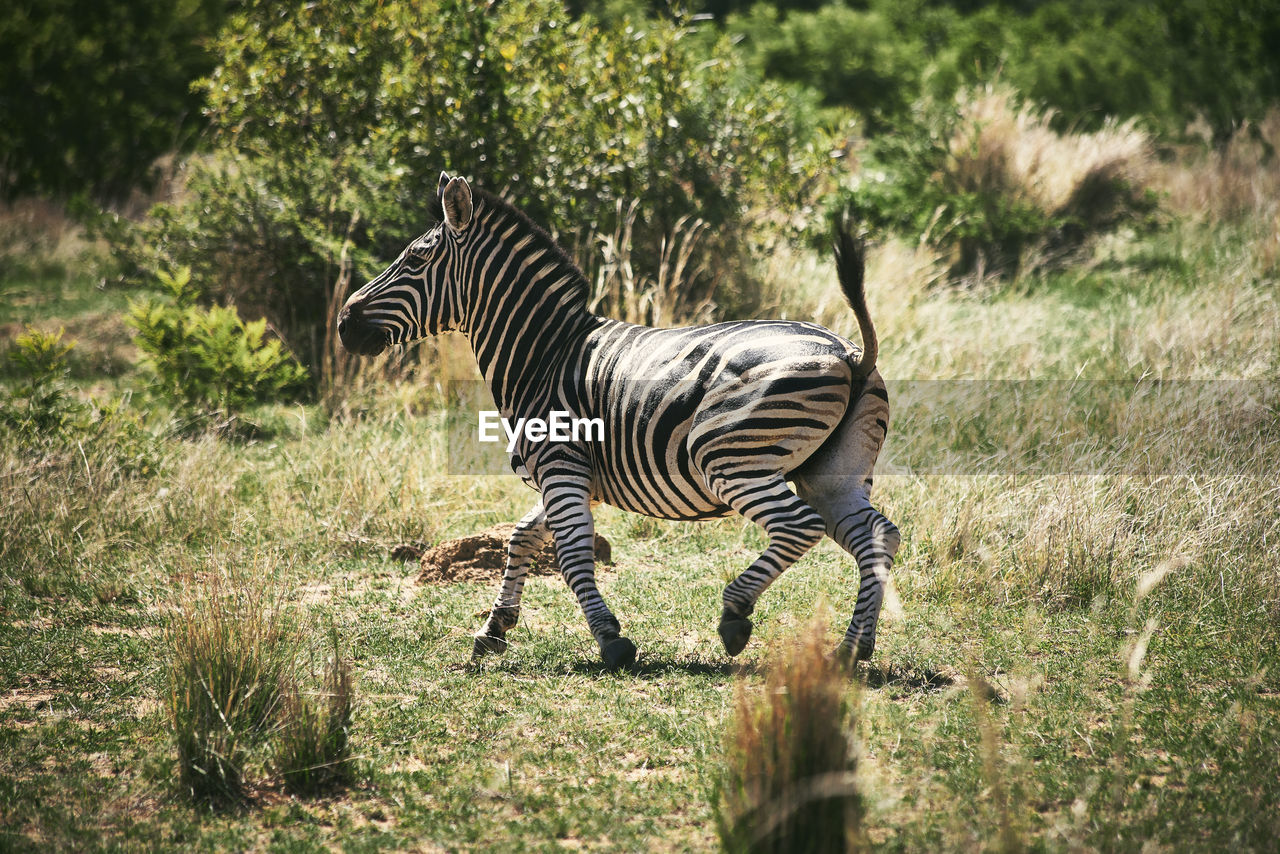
point(836, 481)
point(873, 541)
point(793, 528)
point(531, 534)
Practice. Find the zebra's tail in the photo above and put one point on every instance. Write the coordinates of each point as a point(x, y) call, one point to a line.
point(850, 266)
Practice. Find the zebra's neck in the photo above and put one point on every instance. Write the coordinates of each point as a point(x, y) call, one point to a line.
point(525, 304)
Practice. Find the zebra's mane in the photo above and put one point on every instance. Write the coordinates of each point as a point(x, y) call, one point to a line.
point(540, 238)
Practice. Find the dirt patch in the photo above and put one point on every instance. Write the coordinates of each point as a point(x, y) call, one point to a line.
point(483, 556)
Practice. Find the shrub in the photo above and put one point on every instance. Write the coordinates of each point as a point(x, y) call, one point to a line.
point(96, 92)
point(1167, 61)
point(788, 783)
point(40, 404)
point(853, 57)
point(994, 185)
point(208, 359)
point(332, 146)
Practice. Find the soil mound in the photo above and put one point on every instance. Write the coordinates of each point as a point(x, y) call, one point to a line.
point(483, 556)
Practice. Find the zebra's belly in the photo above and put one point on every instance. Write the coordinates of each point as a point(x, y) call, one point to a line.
point(662, 498)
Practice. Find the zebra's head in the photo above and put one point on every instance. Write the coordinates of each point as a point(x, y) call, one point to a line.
point(412, 298)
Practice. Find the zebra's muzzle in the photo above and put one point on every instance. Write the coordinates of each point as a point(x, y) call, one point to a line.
point(359, 335)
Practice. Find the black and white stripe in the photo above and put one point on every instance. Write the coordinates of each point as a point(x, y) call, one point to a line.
point(700, 422)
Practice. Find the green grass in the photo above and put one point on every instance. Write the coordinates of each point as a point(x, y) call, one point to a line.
point(1005, 704)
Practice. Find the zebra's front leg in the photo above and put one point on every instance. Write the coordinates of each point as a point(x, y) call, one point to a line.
point(531, 534)
point(793, 528)
point(568, 507)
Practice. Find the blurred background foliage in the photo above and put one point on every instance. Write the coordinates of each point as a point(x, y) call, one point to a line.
point(670, 149)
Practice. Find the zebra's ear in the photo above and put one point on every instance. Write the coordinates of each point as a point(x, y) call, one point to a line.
point(456, 198)
point(444, 182)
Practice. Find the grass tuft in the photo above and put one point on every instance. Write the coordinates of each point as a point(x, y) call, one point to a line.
point(789, 781)
point(229, 656)
point(313, 746)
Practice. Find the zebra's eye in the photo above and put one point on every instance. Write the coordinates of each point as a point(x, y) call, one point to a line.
point(420, 249)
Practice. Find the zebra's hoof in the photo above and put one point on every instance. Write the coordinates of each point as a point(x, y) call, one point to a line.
point(735, 633)
point(853, 653)
point(488, 645)
point(618, 653)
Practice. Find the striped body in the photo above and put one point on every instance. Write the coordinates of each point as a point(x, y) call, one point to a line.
point(685, 405)
point(699, 422)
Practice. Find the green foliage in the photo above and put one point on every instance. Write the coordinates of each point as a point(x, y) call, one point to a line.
point(852, 57)
point(1170, 62)
point(333, 143)
point(41, 403)
point(43, 410)
point(95, 92)
point(208, 359)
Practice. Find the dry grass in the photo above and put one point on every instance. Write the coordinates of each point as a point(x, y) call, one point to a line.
point(1010, 148)
point(789, 783)
point(1043, 194)
point(34, 228)
point(1238, 183)
point(1236, 180)
point(619, 292)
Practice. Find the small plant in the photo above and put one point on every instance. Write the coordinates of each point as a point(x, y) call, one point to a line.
point(313, 747)
point(229, 655)
point(208, 360)
point(789, 782)
point(40, 404)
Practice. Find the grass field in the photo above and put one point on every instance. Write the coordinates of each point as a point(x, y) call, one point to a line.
point(1086, 655)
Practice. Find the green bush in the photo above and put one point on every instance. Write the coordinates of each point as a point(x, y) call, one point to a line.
point(40, 404)
point(207, 359)
point(330, 147)
point(1170, 61)
point(853, 57)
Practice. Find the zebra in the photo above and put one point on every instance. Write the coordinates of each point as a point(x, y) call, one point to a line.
point(700, 422)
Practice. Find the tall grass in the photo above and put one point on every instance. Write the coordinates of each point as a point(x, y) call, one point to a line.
point(1002, 145)
point(237, 690)
point(1227, 182)
point(313, 742)
point(1236, 183)
point(789, 783)
point(230, 655)
point(620, 292)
